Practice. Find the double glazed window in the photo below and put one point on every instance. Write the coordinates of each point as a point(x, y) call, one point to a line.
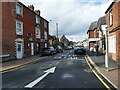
point(45, 34)
point(19, 27)
point(45, 24)
point(111, 17)
point(37, 32)
point(112, 44)
point(19, 9)
point(37, 19)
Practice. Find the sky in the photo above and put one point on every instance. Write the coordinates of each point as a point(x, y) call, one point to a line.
point(73, 16)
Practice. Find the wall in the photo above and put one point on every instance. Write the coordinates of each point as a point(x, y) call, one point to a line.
point(115, 26)
point(8, 28)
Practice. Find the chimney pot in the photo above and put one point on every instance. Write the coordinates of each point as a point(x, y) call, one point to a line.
point(37, 12)
point(31, 7)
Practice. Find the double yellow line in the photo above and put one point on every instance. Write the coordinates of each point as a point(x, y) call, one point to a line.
point(97, 75)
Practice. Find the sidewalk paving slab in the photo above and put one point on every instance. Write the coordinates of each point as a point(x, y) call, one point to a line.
point(20, 62)
point(114, 68)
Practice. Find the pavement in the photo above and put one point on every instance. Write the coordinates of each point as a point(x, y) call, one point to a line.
point(8, 65)
point(112, 75)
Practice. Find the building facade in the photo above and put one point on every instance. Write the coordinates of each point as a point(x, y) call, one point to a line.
point(23, 30)
point(93, 35)
point(113, 24)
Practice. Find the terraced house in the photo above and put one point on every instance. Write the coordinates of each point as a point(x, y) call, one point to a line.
point(113, 24)
point(93, 35)
point(24, 31)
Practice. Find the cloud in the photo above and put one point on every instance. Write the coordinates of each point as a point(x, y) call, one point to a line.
point(72, 16)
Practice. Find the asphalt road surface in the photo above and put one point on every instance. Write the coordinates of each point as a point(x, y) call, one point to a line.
point(71, 71)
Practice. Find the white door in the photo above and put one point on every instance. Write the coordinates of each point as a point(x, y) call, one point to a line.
point(32, 48)
point(19, 50)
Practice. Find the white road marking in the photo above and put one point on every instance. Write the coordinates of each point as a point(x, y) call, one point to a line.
point(32, 84)
point(60, 57)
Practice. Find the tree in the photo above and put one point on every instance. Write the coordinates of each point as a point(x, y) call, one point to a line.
point(55, 43)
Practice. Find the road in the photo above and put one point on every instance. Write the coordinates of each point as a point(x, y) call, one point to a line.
point(71, 71)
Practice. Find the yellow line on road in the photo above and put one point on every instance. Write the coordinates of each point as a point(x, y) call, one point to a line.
point(12, 69)
point(97, 75)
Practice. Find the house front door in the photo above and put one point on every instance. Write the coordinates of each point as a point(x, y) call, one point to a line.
point(19, 50)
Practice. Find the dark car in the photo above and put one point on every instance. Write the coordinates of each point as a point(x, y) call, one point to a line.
point(59, 49)
point(79, 50)
point(49, 51)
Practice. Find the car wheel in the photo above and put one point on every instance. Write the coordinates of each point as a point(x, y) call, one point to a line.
point(52, 53)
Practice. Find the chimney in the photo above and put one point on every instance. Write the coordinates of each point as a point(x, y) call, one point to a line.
point(37, 12)
point(31, 7)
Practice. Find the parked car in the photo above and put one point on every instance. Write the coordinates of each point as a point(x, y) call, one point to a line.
point(66, 48)
point(59, 49)
point(49, 51)
point(70, 47)
point(79, 50)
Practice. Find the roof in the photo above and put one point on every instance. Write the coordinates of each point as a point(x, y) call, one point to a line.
point(31, 10)
point(101, 21)
point(110, 6)
point(92, 26)
point(63, 38)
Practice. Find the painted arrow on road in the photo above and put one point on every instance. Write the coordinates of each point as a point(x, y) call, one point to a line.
point(32, 84)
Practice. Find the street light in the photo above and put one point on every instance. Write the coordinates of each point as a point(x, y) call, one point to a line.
point(56, 30)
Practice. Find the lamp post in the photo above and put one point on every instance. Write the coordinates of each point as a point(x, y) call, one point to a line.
point(57, 31)
point(106, 55)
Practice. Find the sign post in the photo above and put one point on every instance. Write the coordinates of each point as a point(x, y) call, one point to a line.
point(106, 55)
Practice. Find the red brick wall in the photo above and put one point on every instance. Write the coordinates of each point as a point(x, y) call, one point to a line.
point(8, 28)
point(116, 23)
point(91, 34)
point(29, 23)
point(0, 27)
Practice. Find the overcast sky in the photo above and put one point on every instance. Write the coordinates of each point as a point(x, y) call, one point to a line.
point(73, 16)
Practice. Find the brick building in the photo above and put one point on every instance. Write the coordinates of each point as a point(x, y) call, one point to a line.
point(113, 24)
point(93, 34)
point(24, 31)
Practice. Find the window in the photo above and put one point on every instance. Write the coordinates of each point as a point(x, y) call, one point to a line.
point(45, 34)
point(111, 17)
point(45, 24)
point(112, 44)
point(19, 27)
point(37, 32)
point(37, 19)
point(19, 9)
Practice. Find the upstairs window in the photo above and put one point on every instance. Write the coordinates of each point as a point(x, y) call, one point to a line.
point(45, 24)
point(19, 9)
point(45, 34)
point(19, 27)
point(111, 17)
point(37, 32)
point(37, 19)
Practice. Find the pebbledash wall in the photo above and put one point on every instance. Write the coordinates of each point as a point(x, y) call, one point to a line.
point(113, 24)
point(30, 41)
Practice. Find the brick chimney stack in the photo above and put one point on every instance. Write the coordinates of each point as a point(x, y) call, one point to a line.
point(31, 7)
point(38, 12)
